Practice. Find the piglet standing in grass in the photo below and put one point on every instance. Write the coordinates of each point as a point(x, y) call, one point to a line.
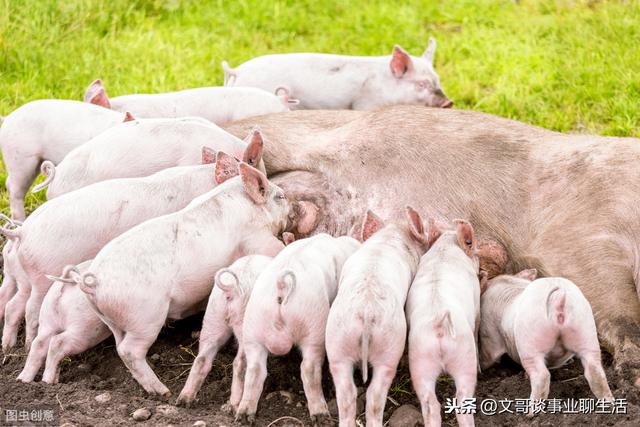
point(166, 264)
point(216, 104)
point(223, 317)
point(68, 326)
point(288, 307)
point(366, 322)
point(443, 313)
point(339, 82)
point(540, 323)
point(75, 226)
point(142, 147)
point(47, 129)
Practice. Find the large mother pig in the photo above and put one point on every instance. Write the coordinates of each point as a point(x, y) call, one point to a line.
point(565, 204)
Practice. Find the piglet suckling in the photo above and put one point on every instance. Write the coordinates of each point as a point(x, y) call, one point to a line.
point(167, 264)
point(288, 307)
point(366, 322)
point(224, 316)
point(443, 313)
point(541, 324)
point(75, 226)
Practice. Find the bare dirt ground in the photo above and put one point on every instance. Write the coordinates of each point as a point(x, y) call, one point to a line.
point(100, 371)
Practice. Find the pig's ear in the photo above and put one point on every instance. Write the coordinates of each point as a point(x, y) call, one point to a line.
point(400, 62)
point(226, 167)
point(288, 238)
point(208, 155)
point(307, 215)
point(228, 282)
point(255, 184)
point(370, 225)
point(483, 278)
point(253, 152)
point(416, 225)
point(96, 94)
point(530, 274)
point(466, 239)
point(430, 52)
point(434, 232)
point(128, 117)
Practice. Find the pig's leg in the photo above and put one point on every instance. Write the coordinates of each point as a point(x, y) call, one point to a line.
point(583, 341)
point(237, 382)
point(617, 314)
point(377, 393)
point(311, 374)
point(74, 340)
point(534, 365)
point(464, 373)
point(7, 291)
point(37, 354)
point(255, 375)
point(32, 314)
point(133, 351)
point(346, 392)
point(13, 316)
point(59, 348)
point(595, 375)
point(424, 375)
point(22, 172)
point(209, 346)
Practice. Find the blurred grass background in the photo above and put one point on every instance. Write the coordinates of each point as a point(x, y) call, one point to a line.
point(565, 65)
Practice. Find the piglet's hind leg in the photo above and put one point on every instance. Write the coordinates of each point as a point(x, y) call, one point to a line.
point(133, 350)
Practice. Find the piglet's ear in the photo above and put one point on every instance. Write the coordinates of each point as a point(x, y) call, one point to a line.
point(466, 239)
point(415, 224)
point(288, 238)
point(400, 62)
point(483, 278)
point(430, 52)
point(253, 152)
point(372, 223)
point(434, 232)
point(226, 167)
point(255, 184)
point(128, 117)
point(530, 274)
point(96, 94)
point(208, 155)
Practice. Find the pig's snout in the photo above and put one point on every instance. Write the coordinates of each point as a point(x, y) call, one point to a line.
point(446, 103)
point(440, 100)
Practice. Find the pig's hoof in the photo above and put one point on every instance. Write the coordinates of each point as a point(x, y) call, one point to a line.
point(246, 419)
point(23, 379)
point(228, 408)
point(184, 401)
point(321, 420)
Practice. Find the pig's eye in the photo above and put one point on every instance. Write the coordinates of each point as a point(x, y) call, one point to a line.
point(280, 196)
point(422, 85)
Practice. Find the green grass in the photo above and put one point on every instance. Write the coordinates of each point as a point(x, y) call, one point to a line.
point(564, 65)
